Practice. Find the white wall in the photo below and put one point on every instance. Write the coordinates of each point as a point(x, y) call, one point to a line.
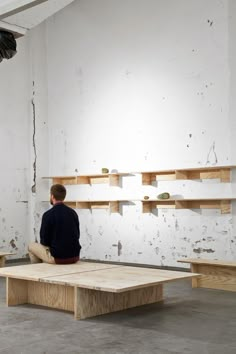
point(14, 147)
point(130, 85)
point(144, 85)
point(23, 142)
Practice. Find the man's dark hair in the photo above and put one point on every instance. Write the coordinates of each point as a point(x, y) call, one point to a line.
point(58, 191)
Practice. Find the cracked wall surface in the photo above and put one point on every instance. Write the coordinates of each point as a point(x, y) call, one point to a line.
point(156, 97)
point(14, 156)
point(148, 89)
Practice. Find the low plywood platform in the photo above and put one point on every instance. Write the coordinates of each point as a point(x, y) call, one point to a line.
point(87, 289)
point(215, 274)
point(3, 257)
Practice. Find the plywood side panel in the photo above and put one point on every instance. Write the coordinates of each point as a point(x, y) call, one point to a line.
point(223, 278)
point(16, 292)
point(114, 180)
point(51, 295)
point(194, 269)
point(91, 303)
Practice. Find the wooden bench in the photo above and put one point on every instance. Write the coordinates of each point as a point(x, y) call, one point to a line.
point(214, 274)
point(85, 288)
point(3, 257)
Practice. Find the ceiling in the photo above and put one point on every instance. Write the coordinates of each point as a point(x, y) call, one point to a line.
point(19, 16)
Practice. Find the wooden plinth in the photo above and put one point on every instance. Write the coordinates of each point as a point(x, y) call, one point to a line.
point(93, 303)
point(214, 277)
point(37, 293)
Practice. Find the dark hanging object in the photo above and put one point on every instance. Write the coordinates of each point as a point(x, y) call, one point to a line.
point(7, 45)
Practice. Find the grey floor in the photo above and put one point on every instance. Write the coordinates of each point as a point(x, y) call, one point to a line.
point(194, 321)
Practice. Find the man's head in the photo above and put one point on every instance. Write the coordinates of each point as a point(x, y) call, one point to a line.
point(57, 193)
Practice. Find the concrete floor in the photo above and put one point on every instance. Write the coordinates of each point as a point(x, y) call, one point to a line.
point(196, 321)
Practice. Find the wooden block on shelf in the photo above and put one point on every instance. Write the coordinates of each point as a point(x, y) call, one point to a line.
point(225, 206)
point(114, 206)
point(147, 178)
point(114, 180)
point(65, 180)
point(225, 174)
point(181, 174)
point(83, 205)
point(71, 204)
point(164, 204)
point(147, 207)
point(181, 204)
point(82, 180)
point(99, 205)
point(165, 176)
point(99, 179)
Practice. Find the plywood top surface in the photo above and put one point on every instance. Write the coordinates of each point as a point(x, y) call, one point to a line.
point(208, 262)
point(41, 270)
point(6, 253)
point(90, 175)
point(119, 279)
point(187, 199)
point(209, 168)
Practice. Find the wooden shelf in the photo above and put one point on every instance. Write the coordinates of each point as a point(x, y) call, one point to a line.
point(112, 179)
point(221, 172)
point(112, 205)
point(223, 204)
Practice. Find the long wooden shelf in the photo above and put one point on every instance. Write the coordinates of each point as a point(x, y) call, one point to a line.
point(221, 172)
point(223, 204)
point(112, 205)
point(112, 179)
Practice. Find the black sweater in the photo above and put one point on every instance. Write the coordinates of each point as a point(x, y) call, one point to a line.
point(60, 231)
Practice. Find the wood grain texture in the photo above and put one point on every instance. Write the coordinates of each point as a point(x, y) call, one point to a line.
point(114, 180)
point(6, 254)
point(51, 295)
point(216, 172)
point(218, 263)
point(194, 269)
point(16, 292)
point(222, 278)
point(3, 258)
point(44, 270)
point(214, 274)
point(93, 303)
point(120, 279)
point(2, 261)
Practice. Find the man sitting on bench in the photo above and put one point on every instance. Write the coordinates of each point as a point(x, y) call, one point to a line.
point(59, 233)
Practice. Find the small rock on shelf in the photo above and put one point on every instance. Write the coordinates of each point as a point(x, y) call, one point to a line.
point(163, 196)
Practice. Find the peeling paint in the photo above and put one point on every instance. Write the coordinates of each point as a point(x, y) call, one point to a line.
point(12, 244)
point(33, 188)
point(88, 234)
point(119, 248)
point(210, 22)
point(176, 225)
point(203, 250)
point(100, 230)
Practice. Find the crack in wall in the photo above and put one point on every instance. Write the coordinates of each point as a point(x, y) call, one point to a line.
point(33, 188)
point(212, 154)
